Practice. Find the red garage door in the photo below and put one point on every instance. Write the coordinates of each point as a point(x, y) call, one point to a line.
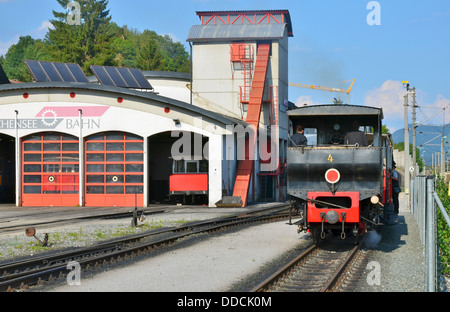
point(50, 170)
point(114, 169)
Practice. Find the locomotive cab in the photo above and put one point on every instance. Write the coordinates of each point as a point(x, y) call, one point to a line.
point(336, 180)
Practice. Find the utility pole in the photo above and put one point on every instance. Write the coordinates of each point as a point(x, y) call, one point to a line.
point(406, 152)
point(442, 157)
point(432, 164)
point(414, 164)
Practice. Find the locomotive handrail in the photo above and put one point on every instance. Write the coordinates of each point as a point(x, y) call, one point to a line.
point(372, 221)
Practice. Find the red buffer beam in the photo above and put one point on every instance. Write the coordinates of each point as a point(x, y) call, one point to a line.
point(245, 167)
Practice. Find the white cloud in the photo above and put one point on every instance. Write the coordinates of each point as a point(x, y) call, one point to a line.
point(305, 100)
point(435, 113)
point(42, 30)
point(4, 46)
point(389, 97)
point(173, 37)
point(37, 33)
point(45, 26)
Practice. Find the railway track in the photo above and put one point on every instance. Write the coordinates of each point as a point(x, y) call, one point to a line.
point(19, 275)
point(319, 269)
point(118, 215)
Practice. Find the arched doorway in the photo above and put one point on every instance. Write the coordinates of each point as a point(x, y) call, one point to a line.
point(178, 169)
point(7, 169)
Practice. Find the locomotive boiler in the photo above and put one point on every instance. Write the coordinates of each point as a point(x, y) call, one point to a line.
point(339, 181)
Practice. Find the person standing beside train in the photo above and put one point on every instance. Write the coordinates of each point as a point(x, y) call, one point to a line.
point(396, 189)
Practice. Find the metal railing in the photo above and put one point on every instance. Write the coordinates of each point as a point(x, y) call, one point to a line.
point(423, 205)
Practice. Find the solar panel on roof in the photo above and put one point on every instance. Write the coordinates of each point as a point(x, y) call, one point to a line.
point(116, 77)
point(121, 77)
point(37, 71)
point(56, 72)
point(51, 71)
point(102, 75)
point(3, 78)
point(140, 78)
point(77, 72)
point(65, 73)
point(129, 78)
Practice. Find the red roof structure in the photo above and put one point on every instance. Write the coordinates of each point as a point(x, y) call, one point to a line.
point(246, 17)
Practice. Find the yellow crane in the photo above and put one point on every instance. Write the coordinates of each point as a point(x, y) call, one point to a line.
point(300, 85)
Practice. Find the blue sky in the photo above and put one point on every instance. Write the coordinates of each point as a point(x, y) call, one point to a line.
point(332, 42)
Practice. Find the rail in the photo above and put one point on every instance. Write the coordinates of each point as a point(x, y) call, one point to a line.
point(315, 269)
point(423, 205)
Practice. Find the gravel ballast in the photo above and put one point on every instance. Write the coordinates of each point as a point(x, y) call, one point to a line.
point(18, 245)
point(399, 257)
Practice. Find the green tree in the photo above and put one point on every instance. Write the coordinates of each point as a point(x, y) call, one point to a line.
point(124, 47)
point(95, 40)
point(149, 51)
point(443, 229)
point(86, 43)
point(401, 147)
point(25, 49)
point(175, 56)
point(149, 54)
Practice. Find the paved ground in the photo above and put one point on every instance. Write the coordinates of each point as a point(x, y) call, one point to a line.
point(397, 262)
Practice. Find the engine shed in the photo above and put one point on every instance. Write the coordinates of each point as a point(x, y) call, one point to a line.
point(118, 138)
point(70, 144)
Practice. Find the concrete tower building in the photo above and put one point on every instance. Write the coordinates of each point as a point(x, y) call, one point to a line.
point(240, 69)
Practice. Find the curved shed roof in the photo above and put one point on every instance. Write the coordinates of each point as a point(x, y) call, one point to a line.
point(117, 91)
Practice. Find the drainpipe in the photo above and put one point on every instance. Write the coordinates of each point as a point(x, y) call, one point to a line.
point(81, 159)
point(18, 166)
point(192, 64)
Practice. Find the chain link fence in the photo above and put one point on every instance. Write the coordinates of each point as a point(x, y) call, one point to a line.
point(434, 227)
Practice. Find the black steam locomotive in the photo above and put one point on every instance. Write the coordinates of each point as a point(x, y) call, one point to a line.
point(339, 181)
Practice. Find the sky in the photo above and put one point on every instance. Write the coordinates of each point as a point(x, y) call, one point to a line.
point(378, 43)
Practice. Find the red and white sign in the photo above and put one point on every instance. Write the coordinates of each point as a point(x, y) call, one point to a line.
point(332, 176)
